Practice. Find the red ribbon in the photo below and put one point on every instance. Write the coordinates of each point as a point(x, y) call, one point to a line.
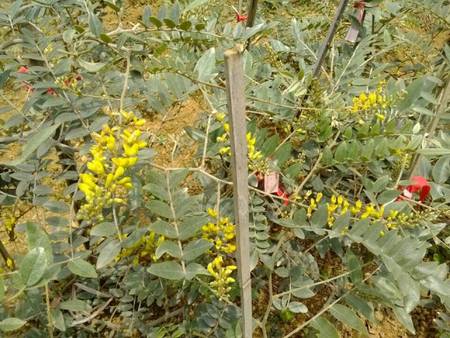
point(241, 18)
point(23, 69)
point(359, 5)
point(284, 195)
point(419, 185)
point(29, 88)
point(280, 192)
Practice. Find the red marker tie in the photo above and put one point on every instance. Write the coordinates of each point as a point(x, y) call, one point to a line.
point(419, 185)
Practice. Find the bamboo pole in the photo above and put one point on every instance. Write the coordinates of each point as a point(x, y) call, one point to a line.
point(323, 49)
point(252, 6)
point(331, 32)
point(234, 73)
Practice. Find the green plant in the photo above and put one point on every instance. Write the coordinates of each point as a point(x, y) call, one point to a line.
point(121, 244)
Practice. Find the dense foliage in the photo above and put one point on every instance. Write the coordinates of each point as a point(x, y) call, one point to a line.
point(119, 244)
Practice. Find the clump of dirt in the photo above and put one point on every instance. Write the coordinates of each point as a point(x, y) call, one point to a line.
point(423, 317)
point(387, 326)
point(172, 145)
point(131, 14)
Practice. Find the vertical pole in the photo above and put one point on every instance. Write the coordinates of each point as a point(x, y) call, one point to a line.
point(252, 5)
point(331, 32)
point(234, 73)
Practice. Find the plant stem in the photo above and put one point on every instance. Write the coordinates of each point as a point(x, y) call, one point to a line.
point(125, 83)
point(49, 314)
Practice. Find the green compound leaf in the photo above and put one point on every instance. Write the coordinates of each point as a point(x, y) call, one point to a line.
point(39, 137)
point(11, 324)
point(33, 266)
point(195, 249)
point(325, 328)
point(168, 247)
point(160, 208)
point(348, 317)
point(167, 270)
point(82, 268)
point(108, 253)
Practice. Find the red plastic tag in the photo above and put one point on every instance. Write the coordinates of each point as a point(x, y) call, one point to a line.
point(419, 185)
point(271, 182)
point(353, 32)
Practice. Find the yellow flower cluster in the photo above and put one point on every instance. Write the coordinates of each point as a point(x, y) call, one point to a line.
point(9, 264)
point(222, 280)
point(253, 154)
point(372, 101)
point(221, 233)
point(397, 219)
point(143, 250)
point(339, 205)
point(9, 221)
point(113, 154)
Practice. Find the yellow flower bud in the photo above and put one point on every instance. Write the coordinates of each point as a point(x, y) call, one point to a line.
point(132, 161)
point(120, 161)
point(220, 117)
point(131, 150)
point(119, 172)
point(212, 213)
point(86, 189)
point(96, 167)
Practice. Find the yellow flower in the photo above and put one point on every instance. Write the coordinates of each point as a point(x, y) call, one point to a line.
point(132, 161)
point(9, 263)
point(212, 213)
point(96, 167)
point(138, 122)
point(221, 275)
point(89, 180)
point(86, 189)
point(120, 161)
point(114, 150)
point(221, 233)
point(119, 172)
point(224, 150)
point(131, 150)
point(111, 143)
point(222, 138)
point(319, 197)
point(220, 117)
point(373, 98)
point(380, 117)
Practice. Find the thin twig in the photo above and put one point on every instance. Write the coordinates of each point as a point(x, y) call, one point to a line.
point(175, 223)
point(49, 314)
point(94, 314)
point(165, 317)
point(125, 82)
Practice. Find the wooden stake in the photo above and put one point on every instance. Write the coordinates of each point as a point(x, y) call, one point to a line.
point(234, 73)
point(331, 32)
point(252, 5)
